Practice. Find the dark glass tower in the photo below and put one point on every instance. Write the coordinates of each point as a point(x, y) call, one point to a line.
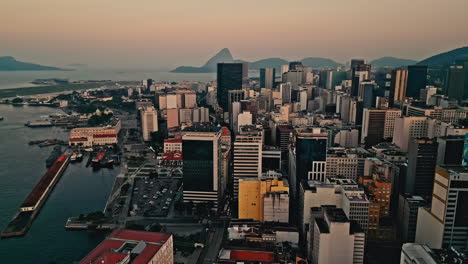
point(456, 83)
point(417, 80)
point(267, 77)
point(422, 159)
point(229, 78)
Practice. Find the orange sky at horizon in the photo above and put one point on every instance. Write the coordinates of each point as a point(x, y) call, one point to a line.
point(151, 33)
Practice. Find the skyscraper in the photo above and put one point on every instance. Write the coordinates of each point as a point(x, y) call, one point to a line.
point(397, 86)
point(456, 83)
point(201, 164)
point(149, 122)
point(373, 126)
point(229, 78)
point(417, 80)
point(422, 159)
point(247, 161)
point(267, 78)
point(311, 149)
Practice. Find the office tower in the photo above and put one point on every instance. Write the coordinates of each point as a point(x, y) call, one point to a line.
point(284, 68)
point(408, 127)
point(294, 77)
point(234, 115)
point(464, 63)
point(444, 225)
point(229, 77)
point(234, 96)
point(456, 83)
point(335, 78)
point(264, 199)
point(201, 164)
point(295, 65)
point(271, 157)
point(245, 73)
point(303, 100)
point(250, 105)
point(408, 206)
point(267, 78)
point(140, 246)
point(358, 78)
point(390, 116)
point(311, 149)
point(147, 83)
point(335, 238)
point(283, 134)
point(171, 101)
point(450, 151)
point(285, 91)
point(247, 155)
point(373, 126)
point(185, 115)
point(345, 163)
point(417, 80)
point(426, 94)
point(149, 122)
point(422, 158)
point(243, 119)
point(172, 118)
point(368, 97)
point(190, 99)
point(347, 138)
point(397, 86)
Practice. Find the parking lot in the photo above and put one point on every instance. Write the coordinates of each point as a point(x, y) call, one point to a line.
point(153, 197)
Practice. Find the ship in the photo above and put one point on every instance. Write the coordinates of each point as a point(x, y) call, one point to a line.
point(39, 123)
point(54, 155)
point(73, 157)
point(79, 157)
point(99, 157)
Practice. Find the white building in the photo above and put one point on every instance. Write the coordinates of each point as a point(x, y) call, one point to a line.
point(408, 127)
point(347, 138)
point(335, 239)
point(149, 122)
point(390, 117)
point(244, 119)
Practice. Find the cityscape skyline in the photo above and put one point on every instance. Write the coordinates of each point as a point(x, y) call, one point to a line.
point(155, 35)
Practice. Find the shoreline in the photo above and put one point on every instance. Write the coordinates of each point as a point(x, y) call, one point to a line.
point(50, 89)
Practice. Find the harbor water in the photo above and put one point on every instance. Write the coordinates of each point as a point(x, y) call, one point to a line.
point(79, 190)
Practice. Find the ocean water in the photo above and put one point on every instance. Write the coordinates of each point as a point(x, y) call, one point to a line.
point(14, 79)
point(79, 190)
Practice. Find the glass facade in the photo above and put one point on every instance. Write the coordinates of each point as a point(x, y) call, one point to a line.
point(198, 165)
point(229, 77)
point(309, 150)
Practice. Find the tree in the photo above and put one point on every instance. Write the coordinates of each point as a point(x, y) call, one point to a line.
point(17, 100)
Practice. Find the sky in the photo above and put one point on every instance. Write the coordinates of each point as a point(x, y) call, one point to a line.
point(153, 34)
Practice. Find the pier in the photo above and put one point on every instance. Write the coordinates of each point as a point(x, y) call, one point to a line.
point(32, 205)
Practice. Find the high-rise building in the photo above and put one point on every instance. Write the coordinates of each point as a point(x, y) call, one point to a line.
point(264, 199)
point(247, 155)
point(294, 77)
point(335, 78)
point(285, 92)
point(201, 164)
point(390, 116)
point(417, 80)
point(333, 232)
point(172, 118)
point(229, 77)
point(311, 149)
point(373, 126)
point(456, 83)
point(149, 122)
point(369, 94)
point(185, 115)
point(408, 127)
point(284, 68)
point(397, 86)
point(450, 151)
point(444, 225)
point(422, 158)
point(295, 65)
point(267, 78)
point(243, 119)
point(408, 206)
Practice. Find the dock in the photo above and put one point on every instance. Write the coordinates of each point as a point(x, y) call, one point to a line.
point(32, 205)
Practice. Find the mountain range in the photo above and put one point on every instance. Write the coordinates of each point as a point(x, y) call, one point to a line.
point(225, 55)
point(8, 63)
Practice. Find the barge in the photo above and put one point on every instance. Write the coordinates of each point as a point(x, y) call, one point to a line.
point(32, 205)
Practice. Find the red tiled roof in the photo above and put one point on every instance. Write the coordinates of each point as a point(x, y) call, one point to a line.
point(172, 156)
point(226, 131)
point(173, 140)
point(104, 251)
point(104, 135)
point(78, 139)
point(252, 255)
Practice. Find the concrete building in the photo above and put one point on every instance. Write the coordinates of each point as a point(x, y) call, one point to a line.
point(409, 127)
point(450, 150)
point(408, 206)
point(201, 174)
point(347, 138)
point(125, 246)
point(390, 116)
point(422, 159)
point(335, 239)
point(398, 86)
point(264, 199)
point(247, 155)
point(244, 119)
point(267, 78)
point(412, 253)
point(346, 163)
point(173, 145)
point(445, 223)
point(95, 136)
point(172, 118)
point(373, 126)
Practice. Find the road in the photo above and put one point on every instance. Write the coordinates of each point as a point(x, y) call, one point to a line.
point(213, 247)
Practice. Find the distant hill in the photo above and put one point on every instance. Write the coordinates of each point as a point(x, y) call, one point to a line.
point(225, 56)
point(8, 63)
point(446, 58)
point(391, 62)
